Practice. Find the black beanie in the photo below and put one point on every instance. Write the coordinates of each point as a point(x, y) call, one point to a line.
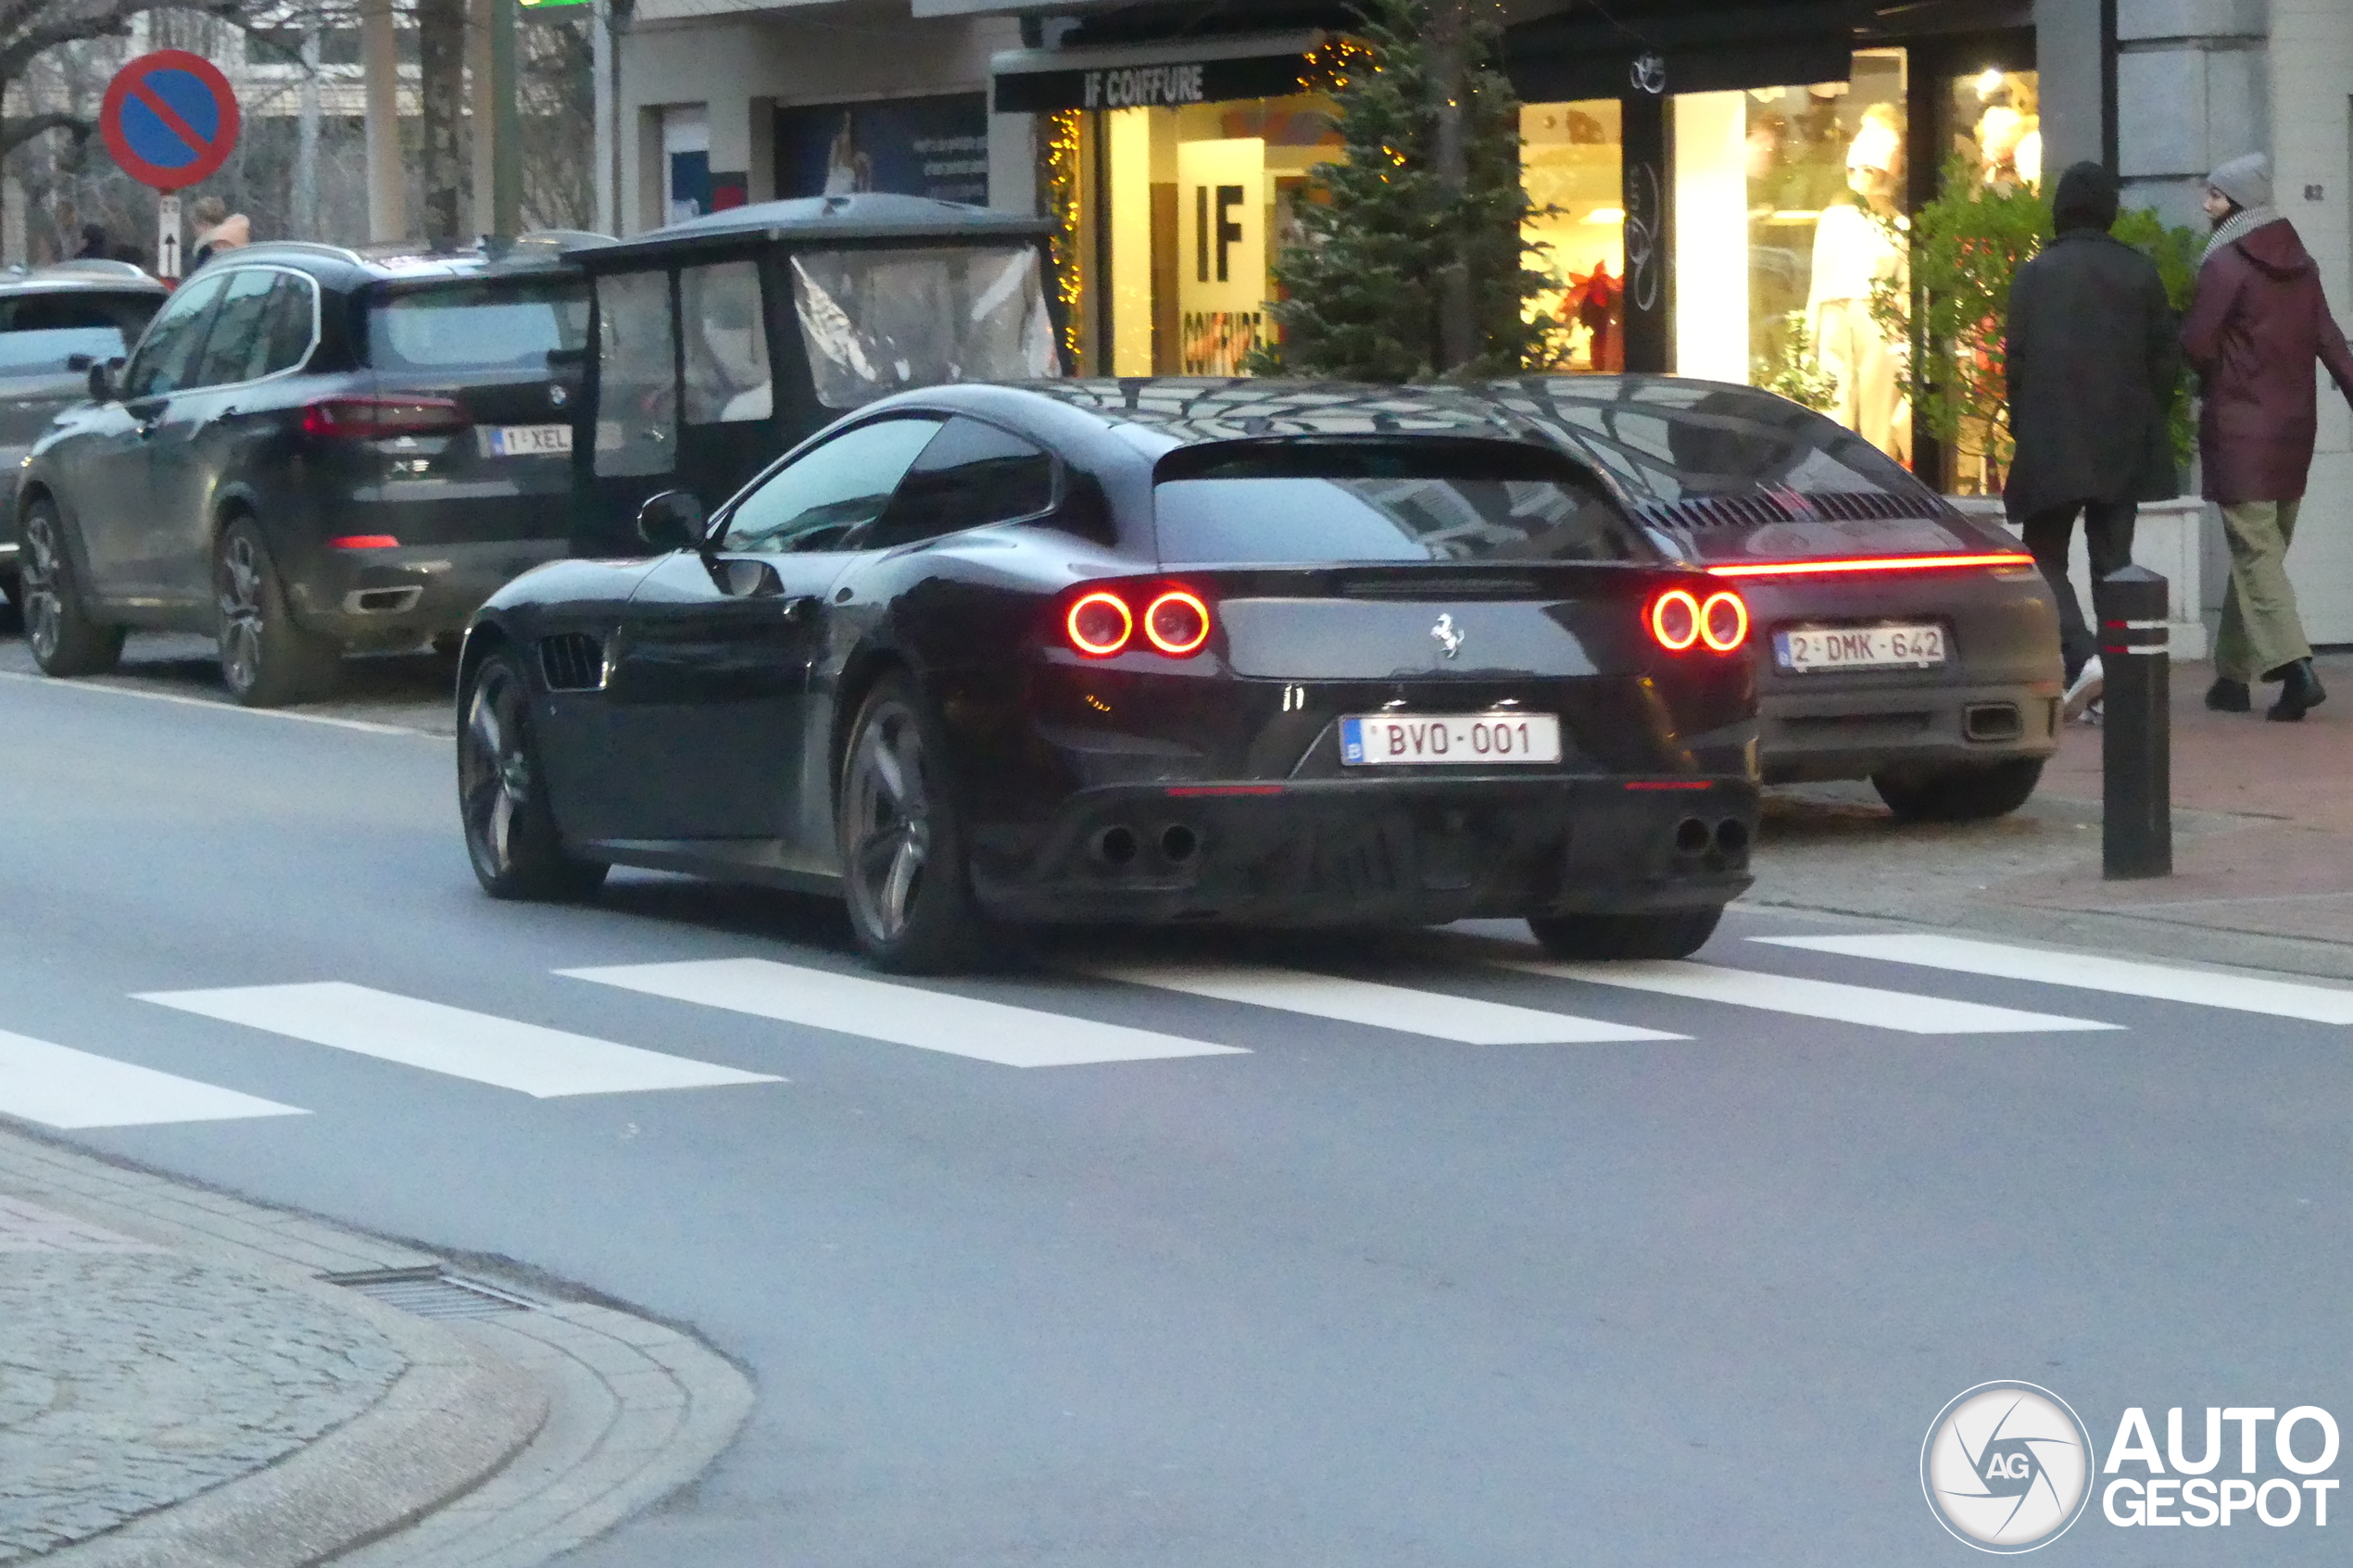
point(2086, 198)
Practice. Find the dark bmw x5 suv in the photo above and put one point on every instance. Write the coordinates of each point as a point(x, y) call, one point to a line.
point(310, 451)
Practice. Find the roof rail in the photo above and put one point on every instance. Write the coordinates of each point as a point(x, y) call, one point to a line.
point(97, 265)
point(308, 247)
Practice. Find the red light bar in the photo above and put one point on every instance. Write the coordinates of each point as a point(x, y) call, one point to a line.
point(1871, 563)
point(1226, 789)
point(364, 542)
point(1671, 783)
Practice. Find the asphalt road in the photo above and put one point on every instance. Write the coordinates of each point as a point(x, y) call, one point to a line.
point(1369, 1277)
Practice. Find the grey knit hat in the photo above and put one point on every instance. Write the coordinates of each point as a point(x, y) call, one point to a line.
point(2246, 181)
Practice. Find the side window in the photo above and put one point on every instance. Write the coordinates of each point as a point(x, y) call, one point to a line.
point(638, 375)
point(972, 475)
point(294, 325)
point(824, 499)
point(239, 341)
point(167, 355)
point(726, 344)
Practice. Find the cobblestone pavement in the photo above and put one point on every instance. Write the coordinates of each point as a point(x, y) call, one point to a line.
point(133, 1377)
point(181, 1383)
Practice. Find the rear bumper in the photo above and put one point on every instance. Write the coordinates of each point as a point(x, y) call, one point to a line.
point(1853, 729)
point(1366, 851)
point(408, 592)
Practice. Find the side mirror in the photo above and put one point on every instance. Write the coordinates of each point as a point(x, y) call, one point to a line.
point(672, 521)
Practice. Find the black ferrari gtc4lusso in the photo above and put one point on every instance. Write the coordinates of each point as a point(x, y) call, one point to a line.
point(1147, 651)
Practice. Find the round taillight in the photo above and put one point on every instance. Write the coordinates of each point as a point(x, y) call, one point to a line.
point(1675, 619)
point(1723, 621)
point(1178, 623)
point(1100, 624)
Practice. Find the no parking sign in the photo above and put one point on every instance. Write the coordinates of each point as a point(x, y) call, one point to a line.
point(170, 118)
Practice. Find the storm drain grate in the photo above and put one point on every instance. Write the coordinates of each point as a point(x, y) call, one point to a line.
point(433, 1293)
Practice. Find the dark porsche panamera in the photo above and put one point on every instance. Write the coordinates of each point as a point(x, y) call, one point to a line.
point(1149, 651)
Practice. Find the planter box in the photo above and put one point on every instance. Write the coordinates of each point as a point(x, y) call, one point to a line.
point(2170, 539)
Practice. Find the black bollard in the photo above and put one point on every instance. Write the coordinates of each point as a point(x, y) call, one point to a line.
point(2136, 736)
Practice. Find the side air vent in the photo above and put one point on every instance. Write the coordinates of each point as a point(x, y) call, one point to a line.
point(572, 661)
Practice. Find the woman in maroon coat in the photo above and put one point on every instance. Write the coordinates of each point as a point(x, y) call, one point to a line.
point(2258, 323)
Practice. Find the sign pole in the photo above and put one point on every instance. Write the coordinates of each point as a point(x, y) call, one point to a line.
point(167, 236)
point(505, 154)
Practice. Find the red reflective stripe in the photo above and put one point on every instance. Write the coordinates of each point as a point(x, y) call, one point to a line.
point(1229, 789)
point(1669, 784)
point(364, 542)
point(1871, 563)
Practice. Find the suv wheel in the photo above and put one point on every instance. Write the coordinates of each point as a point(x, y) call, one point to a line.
point(1675, 935)
point(511, 836)
point(266, 659)
point(1960, 794)
point(64, 640)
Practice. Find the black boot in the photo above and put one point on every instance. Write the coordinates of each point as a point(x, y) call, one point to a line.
point(2226, 696)
point(2299, 691)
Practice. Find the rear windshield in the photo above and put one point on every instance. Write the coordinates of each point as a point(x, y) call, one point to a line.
point(507, 324)
point(1296, 504)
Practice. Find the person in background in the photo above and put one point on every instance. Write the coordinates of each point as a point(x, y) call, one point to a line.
point(2092, 365)
point(93, 244)
point(218, 229)
point(2259, 322)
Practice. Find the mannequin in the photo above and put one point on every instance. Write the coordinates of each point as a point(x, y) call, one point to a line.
point(1852, 251)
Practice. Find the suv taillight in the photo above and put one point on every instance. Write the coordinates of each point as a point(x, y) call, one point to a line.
point(373, 418)
point(1108, 618)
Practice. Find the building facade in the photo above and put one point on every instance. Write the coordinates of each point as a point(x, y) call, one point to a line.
point(1723, 184)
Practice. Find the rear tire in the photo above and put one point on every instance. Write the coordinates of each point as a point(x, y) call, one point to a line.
point(64, 639)
point(266, 659)
point(1960, 794)
point(900, 828)
point(1677, 933)
point(512, 836)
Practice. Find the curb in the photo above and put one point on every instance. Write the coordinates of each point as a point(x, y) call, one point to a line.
point(508, 1438)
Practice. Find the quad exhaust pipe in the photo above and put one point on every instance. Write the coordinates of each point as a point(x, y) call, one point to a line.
point(1119, 845)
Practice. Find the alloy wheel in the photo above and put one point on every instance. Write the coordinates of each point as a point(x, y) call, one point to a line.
point(239, 586)
point(43, 607)
point(890, 819)
point(494, 779)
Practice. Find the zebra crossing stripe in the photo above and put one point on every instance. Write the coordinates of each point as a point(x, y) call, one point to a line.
point(902, 1015)
point(2087, 971)
point(1378, 1005)
point(1807, 999)
point(542, 1062)
point(59, 1086)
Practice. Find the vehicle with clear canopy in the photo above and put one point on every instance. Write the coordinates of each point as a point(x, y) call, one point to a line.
point(722, 343)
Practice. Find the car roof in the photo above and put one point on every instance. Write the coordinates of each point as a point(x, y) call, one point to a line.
point(820, 220)
point(81, 277)
point(532, 253)
point(1187, 410)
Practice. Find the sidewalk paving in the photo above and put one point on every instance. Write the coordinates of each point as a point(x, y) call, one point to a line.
point(2263, 847)
point(191, 1380)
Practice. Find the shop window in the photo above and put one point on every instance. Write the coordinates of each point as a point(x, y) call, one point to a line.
point(1573, 166)
point(1997, 128)
point(726, 343)
point(1788, 213)
point(1189, 208)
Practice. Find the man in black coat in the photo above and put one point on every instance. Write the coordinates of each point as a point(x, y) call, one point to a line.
point(2093, 362)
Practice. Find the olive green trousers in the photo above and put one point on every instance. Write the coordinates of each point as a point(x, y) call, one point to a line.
point(2260, 630)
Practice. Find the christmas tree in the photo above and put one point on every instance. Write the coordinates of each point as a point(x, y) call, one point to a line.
point(1420, 219)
